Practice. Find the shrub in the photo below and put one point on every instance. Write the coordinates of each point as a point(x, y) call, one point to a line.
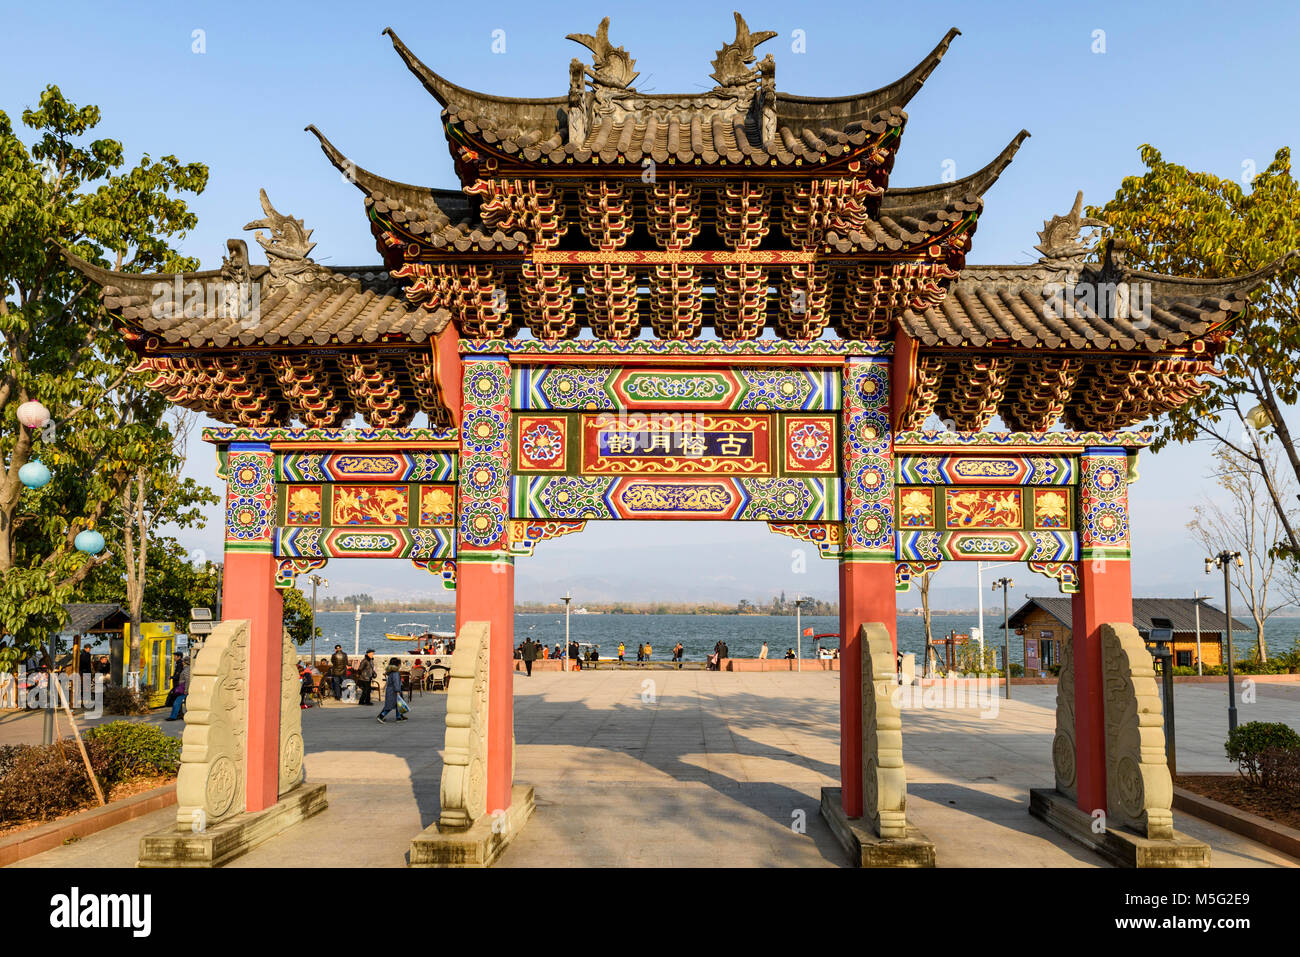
point(134, 749)
point(1247, 744)
point(46, 781)
point(8, 755)
point(119, 700)
point(1280, 768)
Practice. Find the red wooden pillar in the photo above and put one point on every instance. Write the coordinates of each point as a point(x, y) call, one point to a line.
point(248, 591)
point(485, 574)
point(867, 560)
point(1105, 595)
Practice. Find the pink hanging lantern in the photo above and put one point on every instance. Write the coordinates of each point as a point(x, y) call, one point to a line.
point(33, 415)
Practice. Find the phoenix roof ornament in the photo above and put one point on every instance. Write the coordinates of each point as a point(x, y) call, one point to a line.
point(731, 64)
point(614, 66)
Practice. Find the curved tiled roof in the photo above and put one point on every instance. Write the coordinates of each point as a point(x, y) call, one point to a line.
point(684, 127)
point(1027, 306)
point(318, 306)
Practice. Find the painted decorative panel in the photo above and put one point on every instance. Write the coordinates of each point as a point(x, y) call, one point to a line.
point(987, 470)
point(958, 508)
point(810, 444)
point(542, 443)
point(1010, 546)
point(426, 543)
point(250, 497)
point(868, 465)
point(366, 466)
point(692, 443)
point(333, 505)
point(601, 388)
point(572, 497)
point(485, 458)
point(1103, 503)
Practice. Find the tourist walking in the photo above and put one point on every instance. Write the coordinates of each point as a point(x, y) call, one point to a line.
point(762, 652)
point(365, 674)
point(338, 671)
point(530, 655)
point(86, 675)
point(648, 651)
point(180, 687)
point(622, 648)
point(392, 689)
point(574, 656)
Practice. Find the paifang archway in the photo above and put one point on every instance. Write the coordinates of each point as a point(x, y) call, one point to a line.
point(651, 306)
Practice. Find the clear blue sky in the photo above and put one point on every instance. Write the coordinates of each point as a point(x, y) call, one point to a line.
point(1211, 85)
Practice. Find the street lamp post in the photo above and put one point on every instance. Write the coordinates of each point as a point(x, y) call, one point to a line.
point(798, 632)
point(1005, 584)
point(567, 599)
point(1224, 560)
point(315, 580)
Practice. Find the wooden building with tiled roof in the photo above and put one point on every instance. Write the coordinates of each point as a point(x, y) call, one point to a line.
point(1044, 623)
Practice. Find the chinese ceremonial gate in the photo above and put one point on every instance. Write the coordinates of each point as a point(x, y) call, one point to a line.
point(707, 306)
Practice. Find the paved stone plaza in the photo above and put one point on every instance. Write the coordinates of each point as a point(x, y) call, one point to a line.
point(699, 769)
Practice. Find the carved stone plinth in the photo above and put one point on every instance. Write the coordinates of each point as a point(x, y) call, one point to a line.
point(232, 837)
point(1118, 845)
point(1139, 789)
point(884, 779)
point(477, 845)
point(867, 849)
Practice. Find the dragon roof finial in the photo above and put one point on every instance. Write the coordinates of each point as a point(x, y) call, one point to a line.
point(731, 64)
point(289, 240)
point(1063, 237)
point(614, 67)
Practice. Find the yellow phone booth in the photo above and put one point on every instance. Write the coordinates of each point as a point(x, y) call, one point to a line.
point(157, 642)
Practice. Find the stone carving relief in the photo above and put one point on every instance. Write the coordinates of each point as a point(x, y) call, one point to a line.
point(1063, 753)
point(1139, 789)
point(210, 785)
point(291, 745)
point(464, 762)
point(884, 779)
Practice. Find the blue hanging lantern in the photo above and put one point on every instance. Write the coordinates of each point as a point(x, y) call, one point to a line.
point(34, 475)
point(89, 541)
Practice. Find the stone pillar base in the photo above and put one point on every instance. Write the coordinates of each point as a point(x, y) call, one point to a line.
point(867, 850)
point(477, 845)
point(1118, 846)
point(222, 843)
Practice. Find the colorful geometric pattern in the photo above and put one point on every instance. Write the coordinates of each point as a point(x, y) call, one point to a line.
point(226, 434)
point(445, 568)
point(571, 497)
point(485, 457)
point(766, 348)
point(986, 470)
point(287, 569)
point(1011, 546)
point(525, 535)
point(365, 543)
point(250, 497)
point(810, 445)
point(824, 535)
point(1053, 440)
point(904, 572)
point(366, 466)
point(542, 443)
point(1103, 503)
point(598, 388)
point(868, 469)
point(1065, 573)
point(680, 444)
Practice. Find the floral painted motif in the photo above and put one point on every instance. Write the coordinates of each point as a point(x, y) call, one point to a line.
point(918, 509)
point(304, 505)
point(436, 504)
point(1051, 510)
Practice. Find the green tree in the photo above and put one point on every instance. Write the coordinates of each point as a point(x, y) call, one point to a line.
point(297, 616)
point(1185, 223)
point(69, 192)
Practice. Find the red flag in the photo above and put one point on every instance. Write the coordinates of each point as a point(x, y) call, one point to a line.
point(807, 632)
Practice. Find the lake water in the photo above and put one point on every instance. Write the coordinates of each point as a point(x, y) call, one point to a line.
point(744, 634)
